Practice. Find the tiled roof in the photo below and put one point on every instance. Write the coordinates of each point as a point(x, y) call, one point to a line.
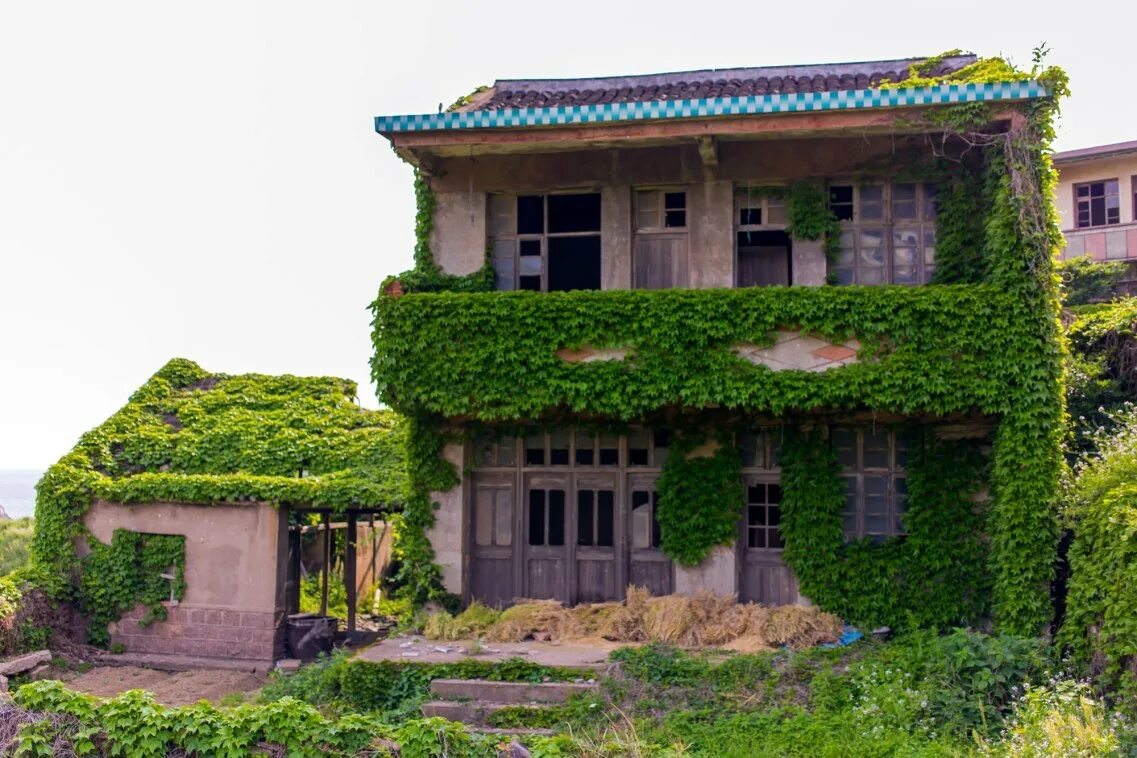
point(690, 85)
point(1098, 151)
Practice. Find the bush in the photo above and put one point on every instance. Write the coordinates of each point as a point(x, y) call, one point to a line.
point(15, 536)
point(1062, 719)
point(1085, 280)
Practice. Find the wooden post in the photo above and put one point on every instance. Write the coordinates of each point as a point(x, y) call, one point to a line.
point(349, 568)
point(326, 568)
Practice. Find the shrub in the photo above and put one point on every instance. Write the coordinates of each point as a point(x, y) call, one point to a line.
point(1061, 719)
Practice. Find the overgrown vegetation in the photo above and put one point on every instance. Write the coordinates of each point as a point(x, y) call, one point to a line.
point(194, 437)
point(1086, 281)
point(15, 538)
point(1103, 370)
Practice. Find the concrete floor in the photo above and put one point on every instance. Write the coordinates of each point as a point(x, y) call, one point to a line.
point(585, 655)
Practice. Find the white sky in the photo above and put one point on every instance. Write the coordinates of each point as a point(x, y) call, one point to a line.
point(202, 179)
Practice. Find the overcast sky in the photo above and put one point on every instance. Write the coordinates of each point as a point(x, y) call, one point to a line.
point(202, 179)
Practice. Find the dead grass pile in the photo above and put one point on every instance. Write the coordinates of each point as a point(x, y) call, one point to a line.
point(703, 620)
point(545, 620)
point(472, 622)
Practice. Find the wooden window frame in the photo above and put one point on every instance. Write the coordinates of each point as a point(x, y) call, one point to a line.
point(660, 210)
point(765, 470)
point(763, 199)
point(895, 476)
point(923, 225)
point(542, 239)
point(1116, 182)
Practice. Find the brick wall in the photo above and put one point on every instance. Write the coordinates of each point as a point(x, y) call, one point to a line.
point(204, 631)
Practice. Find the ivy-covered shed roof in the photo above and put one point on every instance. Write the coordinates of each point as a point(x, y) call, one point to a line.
point(188, 435)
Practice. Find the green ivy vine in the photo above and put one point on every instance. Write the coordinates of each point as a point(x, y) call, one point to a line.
point(700, 497)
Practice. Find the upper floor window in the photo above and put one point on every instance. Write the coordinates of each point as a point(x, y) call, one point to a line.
point(888, 233)
point(545, 242)
point(762, 246)
point(1097, 203)
point(876, 493)
point(660, 247)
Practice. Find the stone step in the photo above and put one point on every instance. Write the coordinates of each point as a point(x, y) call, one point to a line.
point(515, 693)
point(471, 714)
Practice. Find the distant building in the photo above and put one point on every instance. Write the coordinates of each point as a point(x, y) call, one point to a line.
point(1097, 199)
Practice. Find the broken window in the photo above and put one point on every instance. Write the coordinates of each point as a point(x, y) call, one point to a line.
point(546, 517)
point(659, 251)
point(645, 520)
point(876, 493)
point(762, 244)
point(1098, 203)
point(888, 233)
point(493, 516)
point(596, 517)
point(759, 449)
point(545, 242)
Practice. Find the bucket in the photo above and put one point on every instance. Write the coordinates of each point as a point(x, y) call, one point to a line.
point(310, 634)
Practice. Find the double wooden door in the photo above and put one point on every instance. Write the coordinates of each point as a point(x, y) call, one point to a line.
point(575, 537)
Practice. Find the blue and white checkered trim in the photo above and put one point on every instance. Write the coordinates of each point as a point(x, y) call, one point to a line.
point(940, 94)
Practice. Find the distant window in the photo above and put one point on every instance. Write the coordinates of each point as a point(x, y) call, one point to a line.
point(659, 250)
point(888, 233)
point(876, 494)
point(1133, 186)
point(1097, 203)
point(762, 246)
point(545, 242)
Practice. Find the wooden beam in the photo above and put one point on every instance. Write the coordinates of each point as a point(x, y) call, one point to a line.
point(349, 568)
point(326, 568)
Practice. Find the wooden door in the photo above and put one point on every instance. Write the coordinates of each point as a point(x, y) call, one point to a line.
point(765, 578)
point(598, 552)
point(660, 261)
point(492, 538)
point(648, 566)
point(545, 559)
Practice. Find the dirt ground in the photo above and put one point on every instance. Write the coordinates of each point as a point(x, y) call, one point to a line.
point(169, 688)
point(586, 654)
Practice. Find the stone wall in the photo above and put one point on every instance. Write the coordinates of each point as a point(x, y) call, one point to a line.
point(212, 632)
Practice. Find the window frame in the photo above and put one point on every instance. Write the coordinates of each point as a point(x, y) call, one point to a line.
point(924, 225)
point(661, 209)
point(542, 238)
point(894, 474)
point(1116, 182)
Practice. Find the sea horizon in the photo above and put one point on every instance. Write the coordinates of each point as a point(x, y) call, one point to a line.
point(18, 491)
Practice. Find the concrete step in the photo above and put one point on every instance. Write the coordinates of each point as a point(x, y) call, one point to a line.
point(515, 693)
point(471, 714)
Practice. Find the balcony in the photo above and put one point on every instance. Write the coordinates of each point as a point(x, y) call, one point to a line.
point(507, 356)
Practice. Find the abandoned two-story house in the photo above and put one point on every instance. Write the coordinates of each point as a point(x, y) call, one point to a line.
point(787, 333)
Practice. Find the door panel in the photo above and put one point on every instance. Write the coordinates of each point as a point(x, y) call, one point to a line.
point(599, 539)
point(649, 567)
point(546, 528)
point(660, 261)
point(765, 578)
point(492, 539)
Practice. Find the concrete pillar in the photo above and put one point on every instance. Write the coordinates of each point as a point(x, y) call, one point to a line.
point(448, 535)
point(809, 265)
point(458, 239)
point(616, 237)
point(717, 573)
point(710, 214)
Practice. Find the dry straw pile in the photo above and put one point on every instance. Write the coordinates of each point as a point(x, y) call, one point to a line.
point(701, 620)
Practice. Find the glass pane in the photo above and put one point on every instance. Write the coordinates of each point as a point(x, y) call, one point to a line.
point(507, 451)
point(661, 438)
point(504, 249)
point(501, 222)
point(559, 447)
point(774, 494)
point(905, 244)
point(774, 536)
point(585, 455)
point(876, 493)
point(678, 200)
point(532, 283)
point(876, 524)
point(905, 275)
point(872, 247)
point(750, 446)
point(530, 266)
point(758, 538)
point(872, 202)
point(850, 494)
point(850, 522)
point(845, 440)
point(904, 201)
point(483, 517)
point(484, 453)
point(675, 219)
point(609, 450)
point(556, 517)
point(641, 519)
point(655, 535)
point(756, 493)
point(755, 515)
point(929, 245)
point(503, 518)
point(773, 440)
point(776, 210)
point(930, 201)
point(503, 274)
point(605, 518)
point(876, 450)
point(841, 201)
point(773, 515)
point(1083, 190)
point(638, 447)
point(584, 514)
point(530, 214)
point(536, 517)
point(845, 275)
point(535, 449)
